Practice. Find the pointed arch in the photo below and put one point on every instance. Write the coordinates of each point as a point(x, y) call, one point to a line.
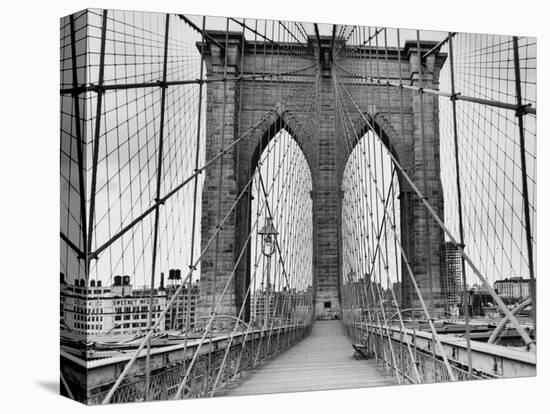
point(252, 153)
point(282, 120)
point(392, 140)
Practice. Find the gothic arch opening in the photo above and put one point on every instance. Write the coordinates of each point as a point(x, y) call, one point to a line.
point(371, 228)
point(277, 280)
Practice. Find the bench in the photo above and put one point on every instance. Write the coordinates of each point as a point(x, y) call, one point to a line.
point(361, 352)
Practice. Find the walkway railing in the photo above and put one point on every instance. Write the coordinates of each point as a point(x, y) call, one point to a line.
point(425, 364)
point(216, 364)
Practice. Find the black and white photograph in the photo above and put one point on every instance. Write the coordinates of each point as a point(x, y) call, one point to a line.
point(274, 207)
point(255, 206)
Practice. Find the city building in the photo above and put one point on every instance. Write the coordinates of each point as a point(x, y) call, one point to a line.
point(259, 306)
point(85, 310)
point(397, 291)
point(184, 307)
point(285, 305)
point(93, 310)
point(514, 287)
point(480, 301)
point(453, 275)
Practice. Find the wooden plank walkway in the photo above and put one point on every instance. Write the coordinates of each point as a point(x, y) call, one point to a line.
point(322, 361)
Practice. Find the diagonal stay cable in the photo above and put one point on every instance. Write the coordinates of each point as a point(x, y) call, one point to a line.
point(177, 292)
point(220, 300)
point(163, 199)
point(173, 298)
point(377, 233)
point(525, 337)
point(413, 279)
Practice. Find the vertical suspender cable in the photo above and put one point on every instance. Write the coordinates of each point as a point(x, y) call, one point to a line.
point(191, 266)
point(157, 210)
point(525, 193)
point(465, 304)
point(97, 135)
point(79, 147)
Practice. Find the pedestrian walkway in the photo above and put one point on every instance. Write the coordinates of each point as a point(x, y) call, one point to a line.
point(322, 361)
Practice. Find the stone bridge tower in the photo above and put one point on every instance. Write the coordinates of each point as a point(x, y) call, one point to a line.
point(396, 117)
